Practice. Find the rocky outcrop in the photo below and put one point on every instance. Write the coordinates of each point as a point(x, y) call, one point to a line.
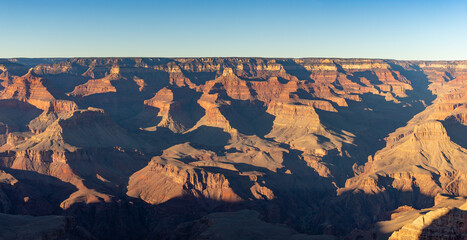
point(323, 145)
point(93, 86)
point(437, 223)
point(79, 129)
point(299, 126)
point(163, 180)
point(186, 173)
point(28, 88)
point(177, 113)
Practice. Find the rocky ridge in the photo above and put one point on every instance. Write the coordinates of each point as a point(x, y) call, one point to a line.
point(294, 139)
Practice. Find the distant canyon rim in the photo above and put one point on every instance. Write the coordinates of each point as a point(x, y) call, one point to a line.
point(232, 148)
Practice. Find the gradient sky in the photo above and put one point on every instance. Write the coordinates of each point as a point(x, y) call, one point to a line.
point(396, 29)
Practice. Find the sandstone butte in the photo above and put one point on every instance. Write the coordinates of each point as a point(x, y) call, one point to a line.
point(232, 148)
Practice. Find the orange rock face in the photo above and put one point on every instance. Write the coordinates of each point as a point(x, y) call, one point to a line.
point(148, 146)
point(174, 181)
point(93, 86)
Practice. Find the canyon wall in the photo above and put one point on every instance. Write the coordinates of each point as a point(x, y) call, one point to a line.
point(325, 146)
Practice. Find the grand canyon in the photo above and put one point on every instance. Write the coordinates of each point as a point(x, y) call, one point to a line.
point(232, 148)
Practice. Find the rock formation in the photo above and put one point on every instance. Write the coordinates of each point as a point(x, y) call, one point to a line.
point(445, 220)
point(151, 147)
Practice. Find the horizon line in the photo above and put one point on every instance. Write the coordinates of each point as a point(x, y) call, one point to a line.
point(227, 57)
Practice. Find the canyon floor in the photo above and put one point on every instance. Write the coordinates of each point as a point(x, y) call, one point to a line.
point(232, 148)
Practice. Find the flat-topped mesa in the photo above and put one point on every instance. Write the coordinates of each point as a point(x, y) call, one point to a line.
point(296, 115)
point(430, 131)
point(93, 86)
point(174, 179)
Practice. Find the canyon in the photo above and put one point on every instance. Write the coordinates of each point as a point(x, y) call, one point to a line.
point(233, 148)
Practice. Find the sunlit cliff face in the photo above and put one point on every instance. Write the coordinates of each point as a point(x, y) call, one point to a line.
point(151, 145)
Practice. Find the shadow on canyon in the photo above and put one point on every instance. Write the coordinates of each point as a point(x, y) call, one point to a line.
point(302, 200)
point(452, 225)
point(456, 131)
point(33, 193)
point(296, 70)
point(17, 114)
point(130, 218)
point(373, 118)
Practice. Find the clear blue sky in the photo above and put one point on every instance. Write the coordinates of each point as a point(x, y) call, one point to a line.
point(400, 29)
